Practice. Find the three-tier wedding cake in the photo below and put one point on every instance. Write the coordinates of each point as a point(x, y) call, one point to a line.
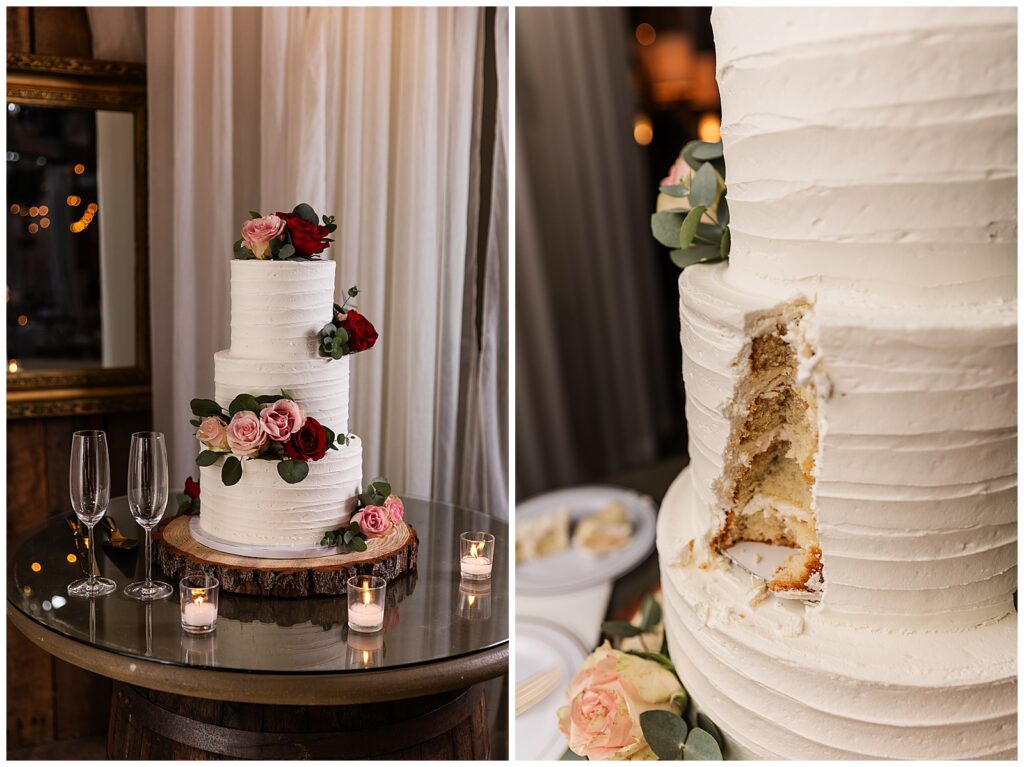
point(850, 378)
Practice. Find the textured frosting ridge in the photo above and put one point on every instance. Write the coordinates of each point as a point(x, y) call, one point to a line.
point(277, 307)
point(872, 150)
point(782, 682)
point(264, 510)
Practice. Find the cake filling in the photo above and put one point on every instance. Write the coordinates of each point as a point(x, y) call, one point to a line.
point(767, 489)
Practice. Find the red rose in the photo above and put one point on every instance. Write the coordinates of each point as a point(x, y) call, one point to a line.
point(308, 239)
point(309, 443)
point(191, 488)
point(361, 334)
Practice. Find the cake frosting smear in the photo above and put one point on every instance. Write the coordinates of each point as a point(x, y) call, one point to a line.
point(850, 377)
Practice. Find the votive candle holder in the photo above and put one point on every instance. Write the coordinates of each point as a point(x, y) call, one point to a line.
point(366, 603)
point(476, 555)
point(199, 602)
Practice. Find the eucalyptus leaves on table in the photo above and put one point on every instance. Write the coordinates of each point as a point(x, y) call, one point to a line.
point(666, 732)
point(351, 538)
point(290, 470)
point(702, 195)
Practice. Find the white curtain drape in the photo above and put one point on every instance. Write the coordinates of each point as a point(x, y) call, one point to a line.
point(588, 368)
point(372, 115)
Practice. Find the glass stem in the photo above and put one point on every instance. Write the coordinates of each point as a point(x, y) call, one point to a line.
point(149, 563)
point(92, 558)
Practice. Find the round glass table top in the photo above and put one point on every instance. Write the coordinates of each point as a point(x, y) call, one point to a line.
point(431, 615)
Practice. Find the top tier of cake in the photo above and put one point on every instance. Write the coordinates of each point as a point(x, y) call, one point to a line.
point(278, 307)
point(872, 151)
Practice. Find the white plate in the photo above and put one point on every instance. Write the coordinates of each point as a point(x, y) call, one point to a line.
point(572, 570)
point(539, 646)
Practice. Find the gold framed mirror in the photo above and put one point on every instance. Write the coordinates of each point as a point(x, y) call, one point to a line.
point(77, 245)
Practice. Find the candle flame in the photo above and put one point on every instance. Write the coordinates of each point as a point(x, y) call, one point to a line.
point(471, 599)
point(366, 594)
point(199, 600)
point(366, 657)
point(473, 550)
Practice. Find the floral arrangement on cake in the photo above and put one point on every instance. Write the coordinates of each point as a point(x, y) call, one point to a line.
point(269, 428)
point(630, 704)
point(377, 510)
point(692, 216)
point(297, 236)
point(348, 331)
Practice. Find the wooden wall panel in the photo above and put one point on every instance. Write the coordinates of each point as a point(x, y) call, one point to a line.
point(31, 712)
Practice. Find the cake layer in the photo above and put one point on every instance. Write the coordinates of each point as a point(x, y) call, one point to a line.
point(872, 150)
point(278, 307)
point(319, 384)
point(786, 681)
point(915, 482)
point(264, 510)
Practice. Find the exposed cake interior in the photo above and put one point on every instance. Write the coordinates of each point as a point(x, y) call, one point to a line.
point(767, 488)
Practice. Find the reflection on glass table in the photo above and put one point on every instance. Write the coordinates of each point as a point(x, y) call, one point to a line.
point(431, 614)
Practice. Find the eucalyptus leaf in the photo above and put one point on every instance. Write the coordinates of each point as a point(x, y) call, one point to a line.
point(662, 660)
point(664, 732)
point(205, 407)
point(207, 458)
point(665, 226)
point(287, 251)
point(711, 232)
point(244, 402)
point(306, 213)
point(711, 728)
point(254, 214)
point(267, 399)
point(701, 747)
point(358, 544)
point(379, 486)
point(650, 613)
point(195, 422)
point(722, 211)
point(687, 154)
point(620, 629)
point(698, 254)
point(704, 187)
point(572, 756)
point(688, 228)
point(293, 472)
point(347, 537)
point(725, 245)
point(674, 190)
point(681, 699)
point(708, 151)
point(231, 472)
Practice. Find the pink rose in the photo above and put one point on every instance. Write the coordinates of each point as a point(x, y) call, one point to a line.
point(606, 699)
point(258, 232)
point(372, 520)
point(282, 419)
point(213, 434)
point(246, 435)
point(395, 508)
point(676, 173)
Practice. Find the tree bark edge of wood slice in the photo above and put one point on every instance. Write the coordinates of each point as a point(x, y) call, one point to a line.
point(178, 553)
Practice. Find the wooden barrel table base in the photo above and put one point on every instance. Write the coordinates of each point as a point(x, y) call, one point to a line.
point(387, 556)
point(147, 724)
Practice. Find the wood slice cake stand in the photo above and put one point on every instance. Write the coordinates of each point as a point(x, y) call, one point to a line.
point(387, 556)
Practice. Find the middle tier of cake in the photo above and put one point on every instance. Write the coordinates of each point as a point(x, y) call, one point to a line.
point(264, 510)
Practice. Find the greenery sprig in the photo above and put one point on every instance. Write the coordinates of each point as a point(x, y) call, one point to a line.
point(332, 340)
point(351, 538)
point(693, 239)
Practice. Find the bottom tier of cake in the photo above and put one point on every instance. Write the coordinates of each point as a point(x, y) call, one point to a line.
point(264, 510)
point(783, 680)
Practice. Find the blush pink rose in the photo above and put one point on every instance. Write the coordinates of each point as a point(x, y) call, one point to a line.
point(213, 434)
point(282, 419)
point(395, 508)
point(676, 173)
point(246, 435)
point(258, 232)
point(606, 699)
point(372, 520)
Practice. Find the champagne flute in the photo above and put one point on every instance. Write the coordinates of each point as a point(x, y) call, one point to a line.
point(90, 496)
point(147, 499)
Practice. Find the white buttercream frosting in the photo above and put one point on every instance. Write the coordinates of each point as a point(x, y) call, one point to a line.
point(278, 307)
point(871, 164)
point(785, 682)
point(264, 510)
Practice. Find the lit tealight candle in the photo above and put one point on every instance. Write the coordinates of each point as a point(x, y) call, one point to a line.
point(366, 603)
point(199, 603)
point(477, 555)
